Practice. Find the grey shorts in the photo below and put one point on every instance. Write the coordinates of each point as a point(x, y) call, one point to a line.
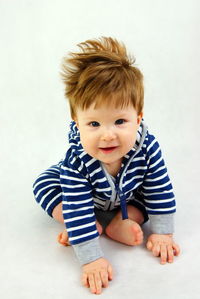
point(105, 217)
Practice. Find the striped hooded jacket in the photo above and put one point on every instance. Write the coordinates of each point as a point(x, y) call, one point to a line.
point(82, 183)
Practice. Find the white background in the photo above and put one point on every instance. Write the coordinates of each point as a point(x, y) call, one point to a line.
point(164, 36)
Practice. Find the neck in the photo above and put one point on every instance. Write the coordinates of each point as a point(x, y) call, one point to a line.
point(113, 168)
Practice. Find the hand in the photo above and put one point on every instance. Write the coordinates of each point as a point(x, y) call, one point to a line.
point(96, 275)
point(163, 246)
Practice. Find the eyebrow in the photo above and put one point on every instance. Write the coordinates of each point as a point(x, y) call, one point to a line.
point(120, 115)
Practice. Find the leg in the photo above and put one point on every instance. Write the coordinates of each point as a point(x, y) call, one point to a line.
point(63, 237)
point(47, 189)
point(127, 231)
point(57, 213)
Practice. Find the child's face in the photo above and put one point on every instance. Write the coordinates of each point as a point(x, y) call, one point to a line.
point(108, 133)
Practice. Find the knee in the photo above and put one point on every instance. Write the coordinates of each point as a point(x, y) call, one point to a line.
point(108, 231)
point(36, 189)
point(57, 213)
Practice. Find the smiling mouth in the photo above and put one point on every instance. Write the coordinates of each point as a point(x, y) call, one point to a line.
point(108, 149)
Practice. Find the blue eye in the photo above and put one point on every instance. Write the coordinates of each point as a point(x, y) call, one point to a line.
point(94, 124)
point(120, 122)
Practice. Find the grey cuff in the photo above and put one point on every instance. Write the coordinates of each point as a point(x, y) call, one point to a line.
point(89, 251)
point(162, 224)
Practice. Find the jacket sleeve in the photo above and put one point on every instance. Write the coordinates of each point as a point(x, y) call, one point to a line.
point(78, 207)
point(79, 217)
point(158, 191)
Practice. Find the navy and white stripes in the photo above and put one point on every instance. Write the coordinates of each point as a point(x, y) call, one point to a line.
point(81, 183)
point(47, 189)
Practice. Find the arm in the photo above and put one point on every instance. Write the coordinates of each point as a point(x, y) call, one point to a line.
point(79, 217)
point(160, 204)
point(78, 208)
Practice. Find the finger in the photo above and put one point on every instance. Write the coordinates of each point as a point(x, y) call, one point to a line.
point(84, 280)
point(104, 278)
point(149, 245)
point(176, 249)
point(92, 283)
point(156, 249)
point(110, 272)
point(170, 254)
point(163, 254)
point(98, 282)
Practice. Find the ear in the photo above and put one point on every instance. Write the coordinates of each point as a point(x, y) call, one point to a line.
point(139, 118)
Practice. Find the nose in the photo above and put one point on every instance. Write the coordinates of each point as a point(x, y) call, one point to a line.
point(108, 135)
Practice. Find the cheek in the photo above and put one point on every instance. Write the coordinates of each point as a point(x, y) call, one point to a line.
point(130, 138)
point(87, 141)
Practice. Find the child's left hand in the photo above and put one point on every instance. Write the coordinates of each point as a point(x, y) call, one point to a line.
point(163, 246)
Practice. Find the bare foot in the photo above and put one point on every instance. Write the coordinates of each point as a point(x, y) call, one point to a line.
point(125, 231)
point(63, 238)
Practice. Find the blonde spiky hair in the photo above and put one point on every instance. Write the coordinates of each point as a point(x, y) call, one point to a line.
point(102, 73)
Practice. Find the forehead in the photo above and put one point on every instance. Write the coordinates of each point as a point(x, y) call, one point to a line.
point(105, 112)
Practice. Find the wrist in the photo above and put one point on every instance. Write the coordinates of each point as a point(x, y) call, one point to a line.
point(88, 252)
point(93, 262)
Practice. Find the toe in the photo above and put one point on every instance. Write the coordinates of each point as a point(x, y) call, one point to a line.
point(63, 240)
point(138, 234)
point(59, 238)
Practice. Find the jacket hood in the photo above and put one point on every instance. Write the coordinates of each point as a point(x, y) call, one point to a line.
point(74, 139)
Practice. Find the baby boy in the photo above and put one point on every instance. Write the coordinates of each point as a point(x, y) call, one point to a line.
point(113, 177)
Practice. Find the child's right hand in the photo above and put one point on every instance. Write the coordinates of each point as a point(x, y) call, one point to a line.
point(96, 275)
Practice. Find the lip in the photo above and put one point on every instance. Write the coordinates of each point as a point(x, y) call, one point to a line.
point(108, 150)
